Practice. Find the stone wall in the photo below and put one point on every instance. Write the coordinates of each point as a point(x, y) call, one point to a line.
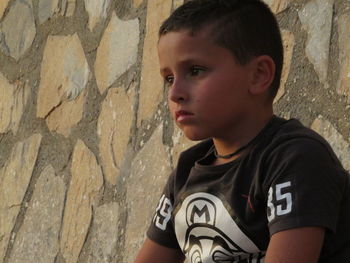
point(86, 142)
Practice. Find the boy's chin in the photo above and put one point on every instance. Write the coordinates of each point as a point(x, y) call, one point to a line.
point(194, 136)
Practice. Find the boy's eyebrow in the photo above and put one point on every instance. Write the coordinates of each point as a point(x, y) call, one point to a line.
point(188, 61)
point(163, 70)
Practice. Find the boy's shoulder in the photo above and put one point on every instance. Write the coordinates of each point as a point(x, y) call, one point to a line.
point(292, 138)
point(294, 130)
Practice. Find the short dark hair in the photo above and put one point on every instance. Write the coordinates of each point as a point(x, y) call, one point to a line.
point(247, 28)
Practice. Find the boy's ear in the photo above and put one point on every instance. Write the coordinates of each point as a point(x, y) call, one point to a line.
point(263, 74)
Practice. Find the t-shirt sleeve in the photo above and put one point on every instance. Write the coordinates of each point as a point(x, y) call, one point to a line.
point(161, 229)
point(304, 186)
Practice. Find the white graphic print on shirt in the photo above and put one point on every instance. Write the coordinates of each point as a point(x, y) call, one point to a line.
point(163, 213)
point(207, 233)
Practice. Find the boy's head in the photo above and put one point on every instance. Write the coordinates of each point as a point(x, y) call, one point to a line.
point(247, 28)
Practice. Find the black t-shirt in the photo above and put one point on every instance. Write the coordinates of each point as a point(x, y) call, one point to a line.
point(290, 178)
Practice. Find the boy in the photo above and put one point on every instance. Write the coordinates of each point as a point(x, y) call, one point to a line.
point(258, 188)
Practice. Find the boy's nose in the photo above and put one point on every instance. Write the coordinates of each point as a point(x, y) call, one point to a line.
point(177, 92)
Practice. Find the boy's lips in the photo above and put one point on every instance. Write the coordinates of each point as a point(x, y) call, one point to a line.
point(182, 115)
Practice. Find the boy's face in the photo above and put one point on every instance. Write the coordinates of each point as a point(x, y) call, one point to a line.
point(208, 92)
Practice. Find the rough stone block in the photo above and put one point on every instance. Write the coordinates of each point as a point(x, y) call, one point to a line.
point(117, 51)
point(67, 7)
point(64, 76)
point(316, 17)
point(13, 100)
point(37, 239)
point(177, 3)
point(104, 234)
point(288, 45)
point(113, 127)
point(83, 194)
point(149, 172)
point(151, 88)
point(18, 29)
point(14, 180)
point(97, 11)
point(343, 86)
point(340, 146)
point(3, 5)
point(277, 6)
point(137, 3)
point(46, 9)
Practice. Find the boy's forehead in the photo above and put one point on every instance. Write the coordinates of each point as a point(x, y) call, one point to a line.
point(187, 43)
point(204, 35)
point(204, 30)
point(185, 47)
point(193, 45)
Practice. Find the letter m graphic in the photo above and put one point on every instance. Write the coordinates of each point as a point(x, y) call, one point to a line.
point(202, 215)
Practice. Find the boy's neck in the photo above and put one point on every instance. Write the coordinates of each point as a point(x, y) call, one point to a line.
point(247, 132)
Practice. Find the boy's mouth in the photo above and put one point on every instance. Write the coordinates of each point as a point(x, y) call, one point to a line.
point(182, 115)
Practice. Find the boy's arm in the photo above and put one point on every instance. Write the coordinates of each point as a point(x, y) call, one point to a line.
point(302, 245)
point(151, 252)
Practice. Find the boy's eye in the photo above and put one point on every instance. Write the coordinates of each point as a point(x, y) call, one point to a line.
point(196, 70)
point(169, 80)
